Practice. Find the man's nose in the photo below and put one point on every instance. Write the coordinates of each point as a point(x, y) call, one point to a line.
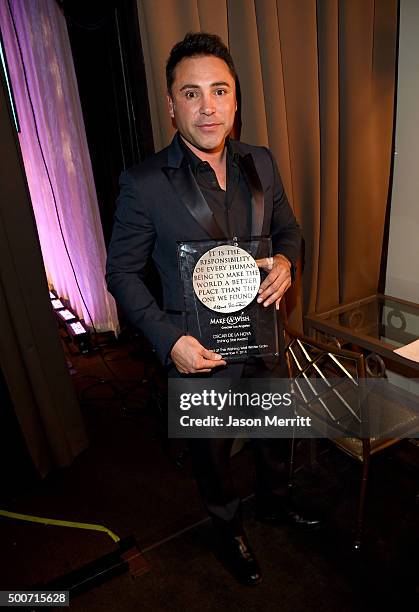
point(207, 104)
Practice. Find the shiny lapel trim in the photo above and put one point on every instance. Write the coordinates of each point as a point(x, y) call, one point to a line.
point(258, 201)
point(185, 185)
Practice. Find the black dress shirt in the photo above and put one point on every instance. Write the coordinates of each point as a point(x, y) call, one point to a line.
point(232, 208)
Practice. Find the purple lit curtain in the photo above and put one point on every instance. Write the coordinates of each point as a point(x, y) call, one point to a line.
point(56, 157)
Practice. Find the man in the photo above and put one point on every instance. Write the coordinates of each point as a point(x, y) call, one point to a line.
point(205, 186)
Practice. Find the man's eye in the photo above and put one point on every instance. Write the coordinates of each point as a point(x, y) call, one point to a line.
point(190, 94)
point(220, 92)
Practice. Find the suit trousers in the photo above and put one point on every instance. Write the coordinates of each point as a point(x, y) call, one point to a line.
point(211, 467)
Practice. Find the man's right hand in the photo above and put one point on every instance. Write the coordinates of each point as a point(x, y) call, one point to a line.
point(190, 357)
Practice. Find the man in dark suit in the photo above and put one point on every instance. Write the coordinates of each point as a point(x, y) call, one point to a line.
point(205, 186)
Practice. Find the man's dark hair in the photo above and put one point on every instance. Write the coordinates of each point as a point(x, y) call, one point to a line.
point(194, 44)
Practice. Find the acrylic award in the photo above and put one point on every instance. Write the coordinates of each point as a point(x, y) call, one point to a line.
point(221, 280)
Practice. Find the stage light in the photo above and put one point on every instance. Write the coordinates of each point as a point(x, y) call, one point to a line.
point(66, 315)
point(79, 335)
point(57, 304)
point(77, 328)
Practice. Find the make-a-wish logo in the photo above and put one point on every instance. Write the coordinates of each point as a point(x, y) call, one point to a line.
point(231, 320)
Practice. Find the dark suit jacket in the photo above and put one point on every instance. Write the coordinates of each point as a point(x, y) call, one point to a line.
point(160, 204)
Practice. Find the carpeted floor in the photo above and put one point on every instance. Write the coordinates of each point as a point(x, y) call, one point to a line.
point(129, 480)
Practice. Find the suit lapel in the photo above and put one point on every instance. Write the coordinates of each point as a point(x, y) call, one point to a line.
point(248, 168)
point(185, 185)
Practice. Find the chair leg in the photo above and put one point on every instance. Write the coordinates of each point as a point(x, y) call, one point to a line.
point(291, 468)
point(362, 496)
point(312, 452)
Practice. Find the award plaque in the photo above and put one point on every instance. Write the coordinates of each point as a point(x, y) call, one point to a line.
point(220, 284)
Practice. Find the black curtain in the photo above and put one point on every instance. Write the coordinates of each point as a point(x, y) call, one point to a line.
point(108, 60)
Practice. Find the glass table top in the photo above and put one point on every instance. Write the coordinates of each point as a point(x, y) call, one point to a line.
point(382, 318)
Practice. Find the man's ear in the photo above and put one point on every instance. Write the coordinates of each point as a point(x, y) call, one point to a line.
point(170, 105)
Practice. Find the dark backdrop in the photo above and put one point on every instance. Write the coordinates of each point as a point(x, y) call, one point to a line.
point(16, 467)
point(108, 60)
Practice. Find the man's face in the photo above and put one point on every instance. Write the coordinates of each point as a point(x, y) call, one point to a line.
point(203, 102)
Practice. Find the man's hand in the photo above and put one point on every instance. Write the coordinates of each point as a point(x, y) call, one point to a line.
point(278, 280)
point(190, 357)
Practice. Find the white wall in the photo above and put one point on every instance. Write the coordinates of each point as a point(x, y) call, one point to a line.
point(403, 257)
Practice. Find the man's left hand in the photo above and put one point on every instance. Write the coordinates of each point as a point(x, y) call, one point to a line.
point(278, 280)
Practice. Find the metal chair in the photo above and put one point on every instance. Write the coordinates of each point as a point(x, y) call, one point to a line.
point(337, 405)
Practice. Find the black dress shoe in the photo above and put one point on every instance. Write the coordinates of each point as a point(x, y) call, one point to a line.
point(238, 558)
point(289, 515)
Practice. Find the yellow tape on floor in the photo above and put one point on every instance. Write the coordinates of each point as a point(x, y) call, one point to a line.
point(50, 521)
